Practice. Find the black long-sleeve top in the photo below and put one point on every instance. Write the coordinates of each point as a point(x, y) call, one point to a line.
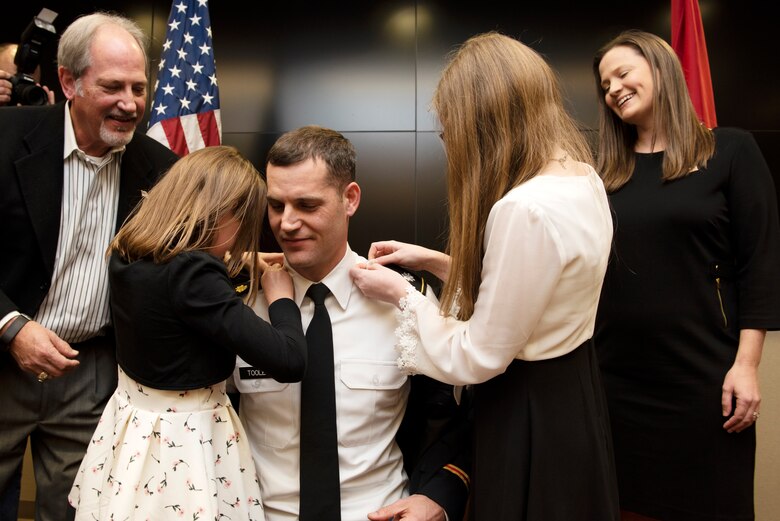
point(179, 325)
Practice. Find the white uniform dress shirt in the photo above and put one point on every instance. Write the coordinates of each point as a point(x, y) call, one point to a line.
point(371, 396)
point(546, 244)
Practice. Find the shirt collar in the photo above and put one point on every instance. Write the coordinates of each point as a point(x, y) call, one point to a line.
point(338, 280)
point(71, 145)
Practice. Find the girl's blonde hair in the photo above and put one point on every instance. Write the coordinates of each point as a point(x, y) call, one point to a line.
point(501, 110)
point(689, 144)
point(182, 211)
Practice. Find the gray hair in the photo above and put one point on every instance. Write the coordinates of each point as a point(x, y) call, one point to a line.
point(74, 50)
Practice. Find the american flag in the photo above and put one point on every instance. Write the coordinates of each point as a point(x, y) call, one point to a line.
point(185, 111)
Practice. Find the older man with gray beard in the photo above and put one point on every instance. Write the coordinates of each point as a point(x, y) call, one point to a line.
point(69, 173)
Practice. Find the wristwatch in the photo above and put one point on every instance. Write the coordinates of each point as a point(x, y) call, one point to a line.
point(13, 329)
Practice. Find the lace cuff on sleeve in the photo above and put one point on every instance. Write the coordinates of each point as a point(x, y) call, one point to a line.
point(406, 332)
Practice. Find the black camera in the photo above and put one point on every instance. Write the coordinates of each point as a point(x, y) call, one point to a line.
point(35, 38)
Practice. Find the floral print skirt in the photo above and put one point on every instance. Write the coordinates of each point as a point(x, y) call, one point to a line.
point(161, 455)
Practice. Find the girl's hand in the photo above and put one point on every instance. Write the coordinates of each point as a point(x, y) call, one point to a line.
point(276, 283)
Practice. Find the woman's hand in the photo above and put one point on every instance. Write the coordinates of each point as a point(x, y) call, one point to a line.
point(410, 256)
point(378, 282)
point(276, 283)
point(740, 385)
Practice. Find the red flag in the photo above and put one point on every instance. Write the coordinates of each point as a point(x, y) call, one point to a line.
point(185, 112)
point(688, 42)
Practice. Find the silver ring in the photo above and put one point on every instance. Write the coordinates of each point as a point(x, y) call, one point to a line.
point(43, 376)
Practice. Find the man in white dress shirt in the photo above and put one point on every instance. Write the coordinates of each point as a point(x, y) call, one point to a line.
point(311, 197)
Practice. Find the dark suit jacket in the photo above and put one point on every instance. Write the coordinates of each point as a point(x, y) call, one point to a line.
point(436, 433)
point(31, 183)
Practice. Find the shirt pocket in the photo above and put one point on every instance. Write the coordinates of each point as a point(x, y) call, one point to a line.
point(269, 403)
point(371, 396)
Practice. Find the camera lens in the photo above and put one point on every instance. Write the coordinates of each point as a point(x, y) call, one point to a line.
point(32, 95)
point(27, 92)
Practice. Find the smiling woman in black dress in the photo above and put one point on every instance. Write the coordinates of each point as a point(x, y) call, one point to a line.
point(690, 291)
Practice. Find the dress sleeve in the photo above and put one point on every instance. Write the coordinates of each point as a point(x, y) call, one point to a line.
point(522, 265)
point(756, 233)
point(206, 302)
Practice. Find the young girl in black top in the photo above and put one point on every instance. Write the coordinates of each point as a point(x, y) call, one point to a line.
point(169, 444)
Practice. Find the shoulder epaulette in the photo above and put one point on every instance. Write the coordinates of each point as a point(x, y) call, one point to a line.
point(414, 278)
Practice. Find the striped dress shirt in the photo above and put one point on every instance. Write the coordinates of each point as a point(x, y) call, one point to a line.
point(76, 306)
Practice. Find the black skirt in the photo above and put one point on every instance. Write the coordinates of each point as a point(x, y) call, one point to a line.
point(543, 445)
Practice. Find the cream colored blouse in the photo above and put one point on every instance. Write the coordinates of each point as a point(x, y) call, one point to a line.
point(546, 248)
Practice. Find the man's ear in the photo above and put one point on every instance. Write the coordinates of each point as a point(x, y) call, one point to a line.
point(67, 82)
point(352, 198)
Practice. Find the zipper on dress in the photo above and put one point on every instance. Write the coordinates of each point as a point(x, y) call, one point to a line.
point(720, 300)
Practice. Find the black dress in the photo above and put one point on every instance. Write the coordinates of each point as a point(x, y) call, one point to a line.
point(694, 261)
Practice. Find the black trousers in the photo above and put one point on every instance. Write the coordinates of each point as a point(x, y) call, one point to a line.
point(59, 417)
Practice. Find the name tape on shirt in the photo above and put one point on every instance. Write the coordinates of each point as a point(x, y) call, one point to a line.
point(251, 373)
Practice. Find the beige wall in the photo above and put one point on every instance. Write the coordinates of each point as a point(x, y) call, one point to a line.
point(768, 454)
point(27, 493)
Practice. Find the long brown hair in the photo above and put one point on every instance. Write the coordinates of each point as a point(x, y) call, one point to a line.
point(501, 110)
point(182, 211)
point(689, 144)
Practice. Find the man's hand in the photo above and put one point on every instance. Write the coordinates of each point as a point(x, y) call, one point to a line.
point(412, 508)
point(36, 350)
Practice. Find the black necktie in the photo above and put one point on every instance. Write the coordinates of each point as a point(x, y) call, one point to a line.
point(320, 485)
